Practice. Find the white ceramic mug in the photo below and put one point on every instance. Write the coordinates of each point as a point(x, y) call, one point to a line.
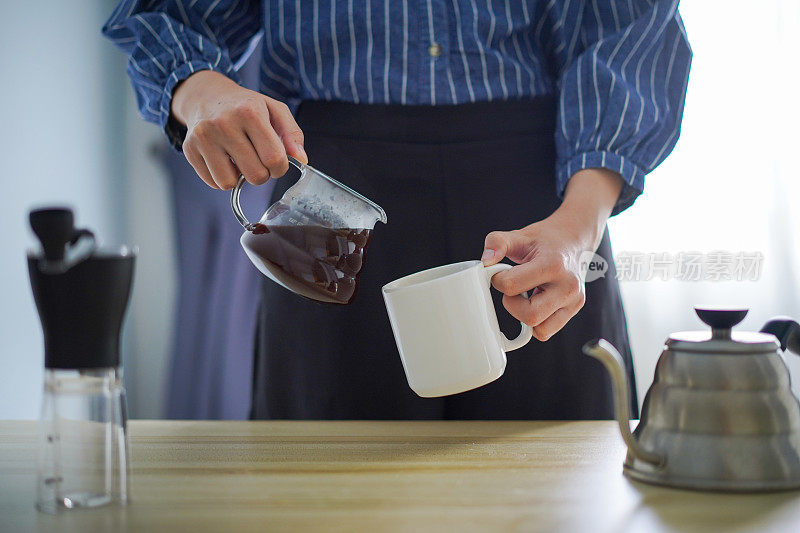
point(446, 328)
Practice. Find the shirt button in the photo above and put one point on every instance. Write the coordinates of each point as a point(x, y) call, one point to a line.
point(435, 50)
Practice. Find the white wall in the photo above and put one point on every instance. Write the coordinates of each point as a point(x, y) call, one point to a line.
point(54, 148)
point(731, 184)
point(71, 136)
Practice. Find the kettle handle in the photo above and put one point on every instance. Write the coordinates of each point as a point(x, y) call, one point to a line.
point(604, 351)
point(236, 206)
point(787, 331)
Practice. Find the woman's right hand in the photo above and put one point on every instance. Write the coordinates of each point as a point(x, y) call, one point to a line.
point(232, 130)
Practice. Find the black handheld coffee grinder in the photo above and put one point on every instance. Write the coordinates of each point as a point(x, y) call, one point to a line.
point(81, 293)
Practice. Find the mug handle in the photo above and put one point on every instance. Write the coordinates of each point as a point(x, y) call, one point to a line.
point(526, 334)
point(236, 206)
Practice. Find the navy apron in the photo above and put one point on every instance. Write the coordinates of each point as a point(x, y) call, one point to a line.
point(446, 176)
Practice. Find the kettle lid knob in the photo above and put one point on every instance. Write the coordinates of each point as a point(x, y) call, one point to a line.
point(720, 319)
point(722, 338)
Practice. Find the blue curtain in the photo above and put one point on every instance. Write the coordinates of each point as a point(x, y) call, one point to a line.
point(217, 294)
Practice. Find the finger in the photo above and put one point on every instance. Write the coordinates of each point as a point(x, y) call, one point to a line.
point(199, 165)
point(512, 244)
point(287, 129)
point(524, 277)
point(268, 147)
point(495, 246)
point(535, 310)
point(222, 168)
point(246, 159)
point(553, 323)
point(261, 135)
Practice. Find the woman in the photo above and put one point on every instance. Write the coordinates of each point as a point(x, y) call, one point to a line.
point(521, 126)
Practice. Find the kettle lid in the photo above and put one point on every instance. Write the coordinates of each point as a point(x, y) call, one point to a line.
point(721, 338)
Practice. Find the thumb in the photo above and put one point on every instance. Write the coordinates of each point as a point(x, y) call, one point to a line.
point(287, 129)
point(496, 246)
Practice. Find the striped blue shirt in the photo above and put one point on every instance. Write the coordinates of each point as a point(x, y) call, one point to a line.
point(618, 67)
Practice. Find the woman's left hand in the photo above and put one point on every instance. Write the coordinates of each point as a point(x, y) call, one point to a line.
point(548, 254)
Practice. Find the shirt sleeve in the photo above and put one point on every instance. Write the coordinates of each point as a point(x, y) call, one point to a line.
point(622, 69)
point(169, 40)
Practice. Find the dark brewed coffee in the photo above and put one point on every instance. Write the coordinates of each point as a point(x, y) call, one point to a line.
point(316, 262)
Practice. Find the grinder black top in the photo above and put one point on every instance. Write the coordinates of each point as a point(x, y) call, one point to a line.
point(81, 299)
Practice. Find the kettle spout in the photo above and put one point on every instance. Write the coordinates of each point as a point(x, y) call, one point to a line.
point(604, 351)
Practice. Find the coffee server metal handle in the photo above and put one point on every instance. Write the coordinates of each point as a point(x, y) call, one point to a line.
point(236, 205)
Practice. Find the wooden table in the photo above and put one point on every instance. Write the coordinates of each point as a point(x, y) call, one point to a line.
point(383, 476)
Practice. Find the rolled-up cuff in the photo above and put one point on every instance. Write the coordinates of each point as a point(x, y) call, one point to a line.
point(631, 173)
point(176, 132)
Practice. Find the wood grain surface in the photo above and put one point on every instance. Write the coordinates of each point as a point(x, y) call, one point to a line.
point(382, 476)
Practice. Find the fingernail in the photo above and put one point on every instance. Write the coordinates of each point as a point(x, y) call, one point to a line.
point(301, 152)
point(487, 256)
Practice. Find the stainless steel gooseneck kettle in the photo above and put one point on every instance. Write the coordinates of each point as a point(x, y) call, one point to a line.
point(720, 414)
